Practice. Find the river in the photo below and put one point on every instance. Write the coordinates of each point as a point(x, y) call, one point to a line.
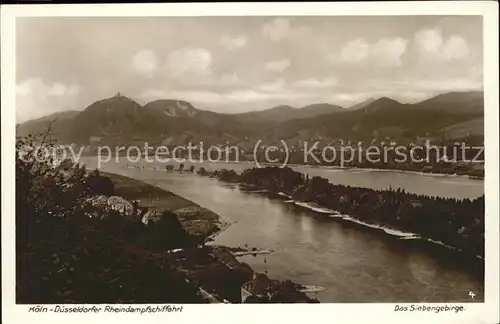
point(353, 264)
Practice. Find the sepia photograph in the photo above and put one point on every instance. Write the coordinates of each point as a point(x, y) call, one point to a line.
point(250, 159)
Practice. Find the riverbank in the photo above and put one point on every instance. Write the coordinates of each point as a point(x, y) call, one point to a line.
point(142, 244)
point(354, 263)
point(310, 248)
point(196, 220)
point(428, 173)
point(392, 238)
point(214, 269)
point(473, 264)
point(451, 223)
point(436, 186)
point(476, 261)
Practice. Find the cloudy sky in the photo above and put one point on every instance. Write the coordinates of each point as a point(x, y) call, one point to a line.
point(236, 64)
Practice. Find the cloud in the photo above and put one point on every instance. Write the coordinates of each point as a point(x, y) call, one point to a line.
point(355, 51)
point(232, 43)
point(189, 62)
point(413, 89)
point(145, 62)
point(388, 51)
point(246, 95)
point(347, 99)
point(316, 83)
point(221, 57)
point(280, 29)
point(277, 30)
point(278, 66)
point(35, 98)
point(430, 44)
point(230, 78)
point(203, 96)
point(448, 84)
point(277, 85)
point(384, 52)
point(429, 41)
point(455, 48)
point(262, 94)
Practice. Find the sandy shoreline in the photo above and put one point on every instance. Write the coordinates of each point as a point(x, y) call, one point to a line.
point(402, 235)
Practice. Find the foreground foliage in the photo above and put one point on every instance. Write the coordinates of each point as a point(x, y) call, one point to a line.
point(64, 255)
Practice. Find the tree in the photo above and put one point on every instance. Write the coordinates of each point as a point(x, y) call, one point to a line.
point(42, 187)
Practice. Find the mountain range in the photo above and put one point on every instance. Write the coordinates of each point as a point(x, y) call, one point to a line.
point(122, 121)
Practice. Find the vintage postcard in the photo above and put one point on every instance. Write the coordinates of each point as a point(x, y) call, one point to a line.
point(340, 157)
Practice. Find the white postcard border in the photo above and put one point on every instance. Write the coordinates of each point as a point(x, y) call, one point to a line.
point(486, 312)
